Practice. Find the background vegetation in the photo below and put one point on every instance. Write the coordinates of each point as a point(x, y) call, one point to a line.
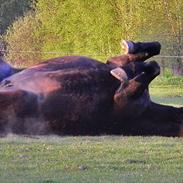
point(93, 28)
point(11, 10)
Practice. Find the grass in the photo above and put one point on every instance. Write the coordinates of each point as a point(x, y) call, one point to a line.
point(91, 159)
point(174, 101)
point(167, 90)
point(104, 159)
point(167, 87)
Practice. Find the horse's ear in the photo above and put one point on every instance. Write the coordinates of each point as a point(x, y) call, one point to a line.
point(120, 74)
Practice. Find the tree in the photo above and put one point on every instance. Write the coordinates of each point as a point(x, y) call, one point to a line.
point(173, 11)
point(78, 26)
point(12, 9)
point(24, 42)
point(96, 29)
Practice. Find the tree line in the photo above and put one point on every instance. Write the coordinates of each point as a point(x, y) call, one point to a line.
point(93, 28)
point(12, 9)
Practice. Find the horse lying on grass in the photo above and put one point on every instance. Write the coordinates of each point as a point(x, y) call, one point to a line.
point(75, 95)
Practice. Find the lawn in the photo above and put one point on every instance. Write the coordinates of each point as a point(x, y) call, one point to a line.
point(104, 159)
point(167, 91)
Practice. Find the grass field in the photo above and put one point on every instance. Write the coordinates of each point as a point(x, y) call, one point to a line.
point(104, 159)
point(167, 91)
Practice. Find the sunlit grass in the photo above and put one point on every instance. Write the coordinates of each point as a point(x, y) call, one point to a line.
point(175, 101)
point(167, 91)
point(91, 159)
point(167, 87)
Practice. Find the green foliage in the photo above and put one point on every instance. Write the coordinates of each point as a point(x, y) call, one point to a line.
point(79, 26)
point(11, 10)
point(95, 28)
point(167, 73)
point(24, 36)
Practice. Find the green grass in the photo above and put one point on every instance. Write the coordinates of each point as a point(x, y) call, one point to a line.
point(167, 87)
point(104, 159)
point(174, 101)
point(167, 90)
point(91, 159)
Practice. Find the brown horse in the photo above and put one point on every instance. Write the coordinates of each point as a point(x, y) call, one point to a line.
point(76, 95)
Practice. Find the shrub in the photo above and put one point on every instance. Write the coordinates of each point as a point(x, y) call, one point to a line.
point(24, 44)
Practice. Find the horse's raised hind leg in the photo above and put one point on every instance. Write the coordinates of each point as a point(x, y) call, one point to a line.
point(135, 52)
point(150, 48)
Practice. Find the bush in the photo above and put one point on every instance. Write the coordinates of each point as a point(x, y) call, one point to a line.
point(23, 41)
